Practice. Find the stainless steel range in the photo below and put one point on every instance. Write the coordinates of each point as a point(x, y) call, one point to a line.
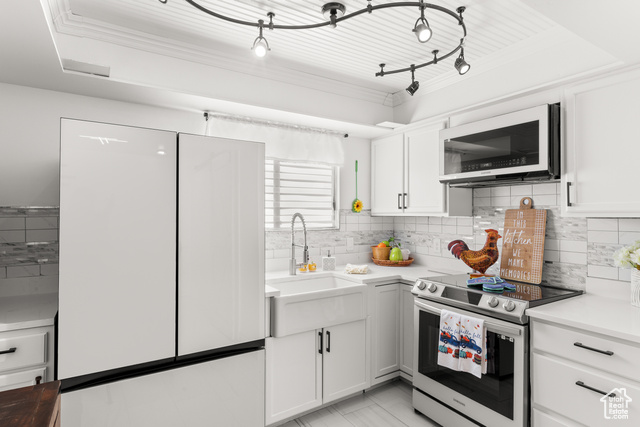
point(501, 396)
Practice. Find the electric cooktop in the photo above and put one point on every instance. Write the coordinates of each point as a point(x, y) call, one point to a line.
point(508, 303)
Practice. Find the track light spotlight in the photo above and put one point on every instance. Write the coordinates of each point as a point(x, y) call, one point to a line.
point(260, 45)
point(415, 85)
point(461, 65)
point(421, 28)
point(335, 12)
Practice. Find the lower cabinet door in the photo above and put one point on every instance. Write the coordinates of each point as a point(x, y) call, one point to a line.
point(406, 338)
point(294, 382)
point(386, 328)
point(344, 362)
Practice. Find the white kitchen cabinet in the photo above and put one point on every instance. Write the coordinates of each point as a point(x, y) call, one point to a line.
point(344, 360)
point(404, 176)
point(312, 368)
point(572, 369)
point(26, 357)
point(385, 342)
point(406, 337)
point(387, 159)
point(294, 375)
point(601, 149)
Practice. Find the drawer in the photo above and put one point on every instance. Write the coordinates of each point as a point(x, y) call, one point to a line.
point(22, 378)
point(22, 350)
point(625, 360)
point(541, 419)
point(554, 387)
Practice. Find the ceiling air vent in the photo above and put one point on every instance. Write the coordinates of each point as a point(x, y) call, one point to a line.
point(70, 65)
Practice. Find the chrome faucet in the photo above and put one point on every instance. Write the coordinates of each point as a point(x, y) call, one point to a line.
point(293, 265)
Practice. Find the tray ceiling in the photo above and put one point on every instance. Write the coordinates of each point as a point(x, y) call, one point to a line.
point(349, 54)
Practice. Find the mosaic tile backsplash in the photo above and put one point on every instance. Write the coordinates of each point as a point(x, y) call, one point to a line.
point(28, 242)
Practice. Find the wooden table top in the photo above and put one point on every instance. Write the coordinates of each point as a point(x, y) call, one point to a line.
point(31, 406)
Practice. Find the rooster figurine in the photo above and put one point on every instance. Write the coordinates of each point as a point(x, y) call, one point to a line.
point(478, 260)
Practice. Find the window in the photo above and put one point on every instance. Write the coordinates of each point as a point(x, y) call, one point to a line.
point(307, 188)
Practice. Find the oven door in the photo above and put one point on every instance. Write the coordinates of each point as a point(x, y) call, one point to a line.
point(500, 397)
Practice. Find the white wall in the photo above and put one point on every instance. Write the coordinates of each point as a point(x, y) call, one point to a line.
point(30, 132)
point(356, 149)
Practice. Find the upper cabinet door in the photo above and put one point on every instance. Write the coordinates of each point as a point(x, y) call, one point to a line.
point(425, 194)
point(602, 150)
point(220, 243)
point(386, 175)
point(117, 247)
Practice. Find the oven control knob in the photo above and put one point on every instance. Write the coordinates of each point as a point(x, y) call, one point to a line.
point(421, 285)
point(509, 305)
point(432, 287)
point(493, 302)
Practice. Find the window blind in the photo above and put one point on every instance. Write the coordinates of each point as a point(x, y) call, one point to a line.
point(307, 188)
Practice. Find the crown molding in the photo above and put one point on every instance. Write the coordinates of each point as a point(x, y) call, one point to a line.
point(65, 22)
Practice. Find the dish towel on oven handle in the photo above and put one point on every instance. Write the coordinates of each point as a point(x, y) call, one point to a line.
point(473, 346)
point(449, 340)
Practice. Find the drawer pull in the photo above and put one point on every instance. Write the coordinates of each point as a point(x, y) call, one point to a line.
point(11, 350)
point(581, 384)
point(607, 352)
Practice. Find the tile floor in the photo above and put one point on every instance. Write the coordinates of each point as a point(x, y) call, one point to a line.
point(385, 406)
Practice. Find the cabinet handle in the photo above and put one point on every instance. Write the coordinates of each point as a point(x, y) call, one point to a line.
point(320, 348)
point(11, 350)
point(607, 352)
point(399, 200)
point(568, 193)
point(328, 342)
point(38, 379)
point(404, 200)
point(583, 385)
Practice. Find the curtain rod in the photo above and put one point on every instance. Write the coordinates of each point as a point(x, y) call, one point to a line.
point(246, 119)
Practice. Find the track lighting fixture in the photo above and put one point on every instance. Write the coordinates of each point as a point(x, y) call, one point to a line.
point(335, 12)
point(415, 85)
point(260, 45)
point(421, 28)
point(460, 64)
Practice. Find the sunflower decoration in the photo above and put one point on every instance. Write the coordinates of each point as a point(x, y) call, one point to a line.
point(357, 203)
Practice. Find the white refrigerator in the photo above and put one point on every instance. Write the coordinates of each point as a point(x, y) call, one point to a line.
point(161, 299)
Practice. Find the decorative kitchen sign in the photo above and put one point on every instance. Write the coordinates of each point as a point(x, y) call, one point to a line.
point(523, 243)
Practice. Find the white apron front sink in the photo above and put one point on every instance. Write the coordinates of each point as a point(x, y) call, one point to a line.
point(307, 303)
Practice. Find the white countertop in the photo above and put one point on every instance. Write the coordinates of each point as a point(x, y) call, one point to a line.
point(593, 313)
point(375, 274)
point(28, 311)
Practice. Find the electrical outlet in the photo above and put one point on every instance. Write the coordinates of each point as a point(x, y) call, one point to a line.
point(436, 245)
point(349, 243)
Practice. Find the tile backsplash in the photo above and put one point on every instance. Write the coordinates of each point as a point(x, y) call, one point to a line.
point(28, 242)
point(575, 248)
point(350, 244)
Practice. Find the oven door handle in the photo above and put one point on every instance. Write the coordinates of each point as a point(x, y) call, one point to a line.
point(499, 329)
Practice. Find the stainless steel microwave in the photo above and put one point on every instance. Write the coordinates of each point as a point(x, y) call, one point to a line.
point(519, 146)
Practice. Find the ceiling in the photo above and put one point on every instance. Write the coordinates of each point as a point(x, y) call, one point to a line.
point(350, 53)
point(176, 55)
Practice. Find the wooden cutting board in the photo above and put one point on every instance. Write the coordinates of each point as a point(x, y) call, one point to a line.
point(523, 243)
